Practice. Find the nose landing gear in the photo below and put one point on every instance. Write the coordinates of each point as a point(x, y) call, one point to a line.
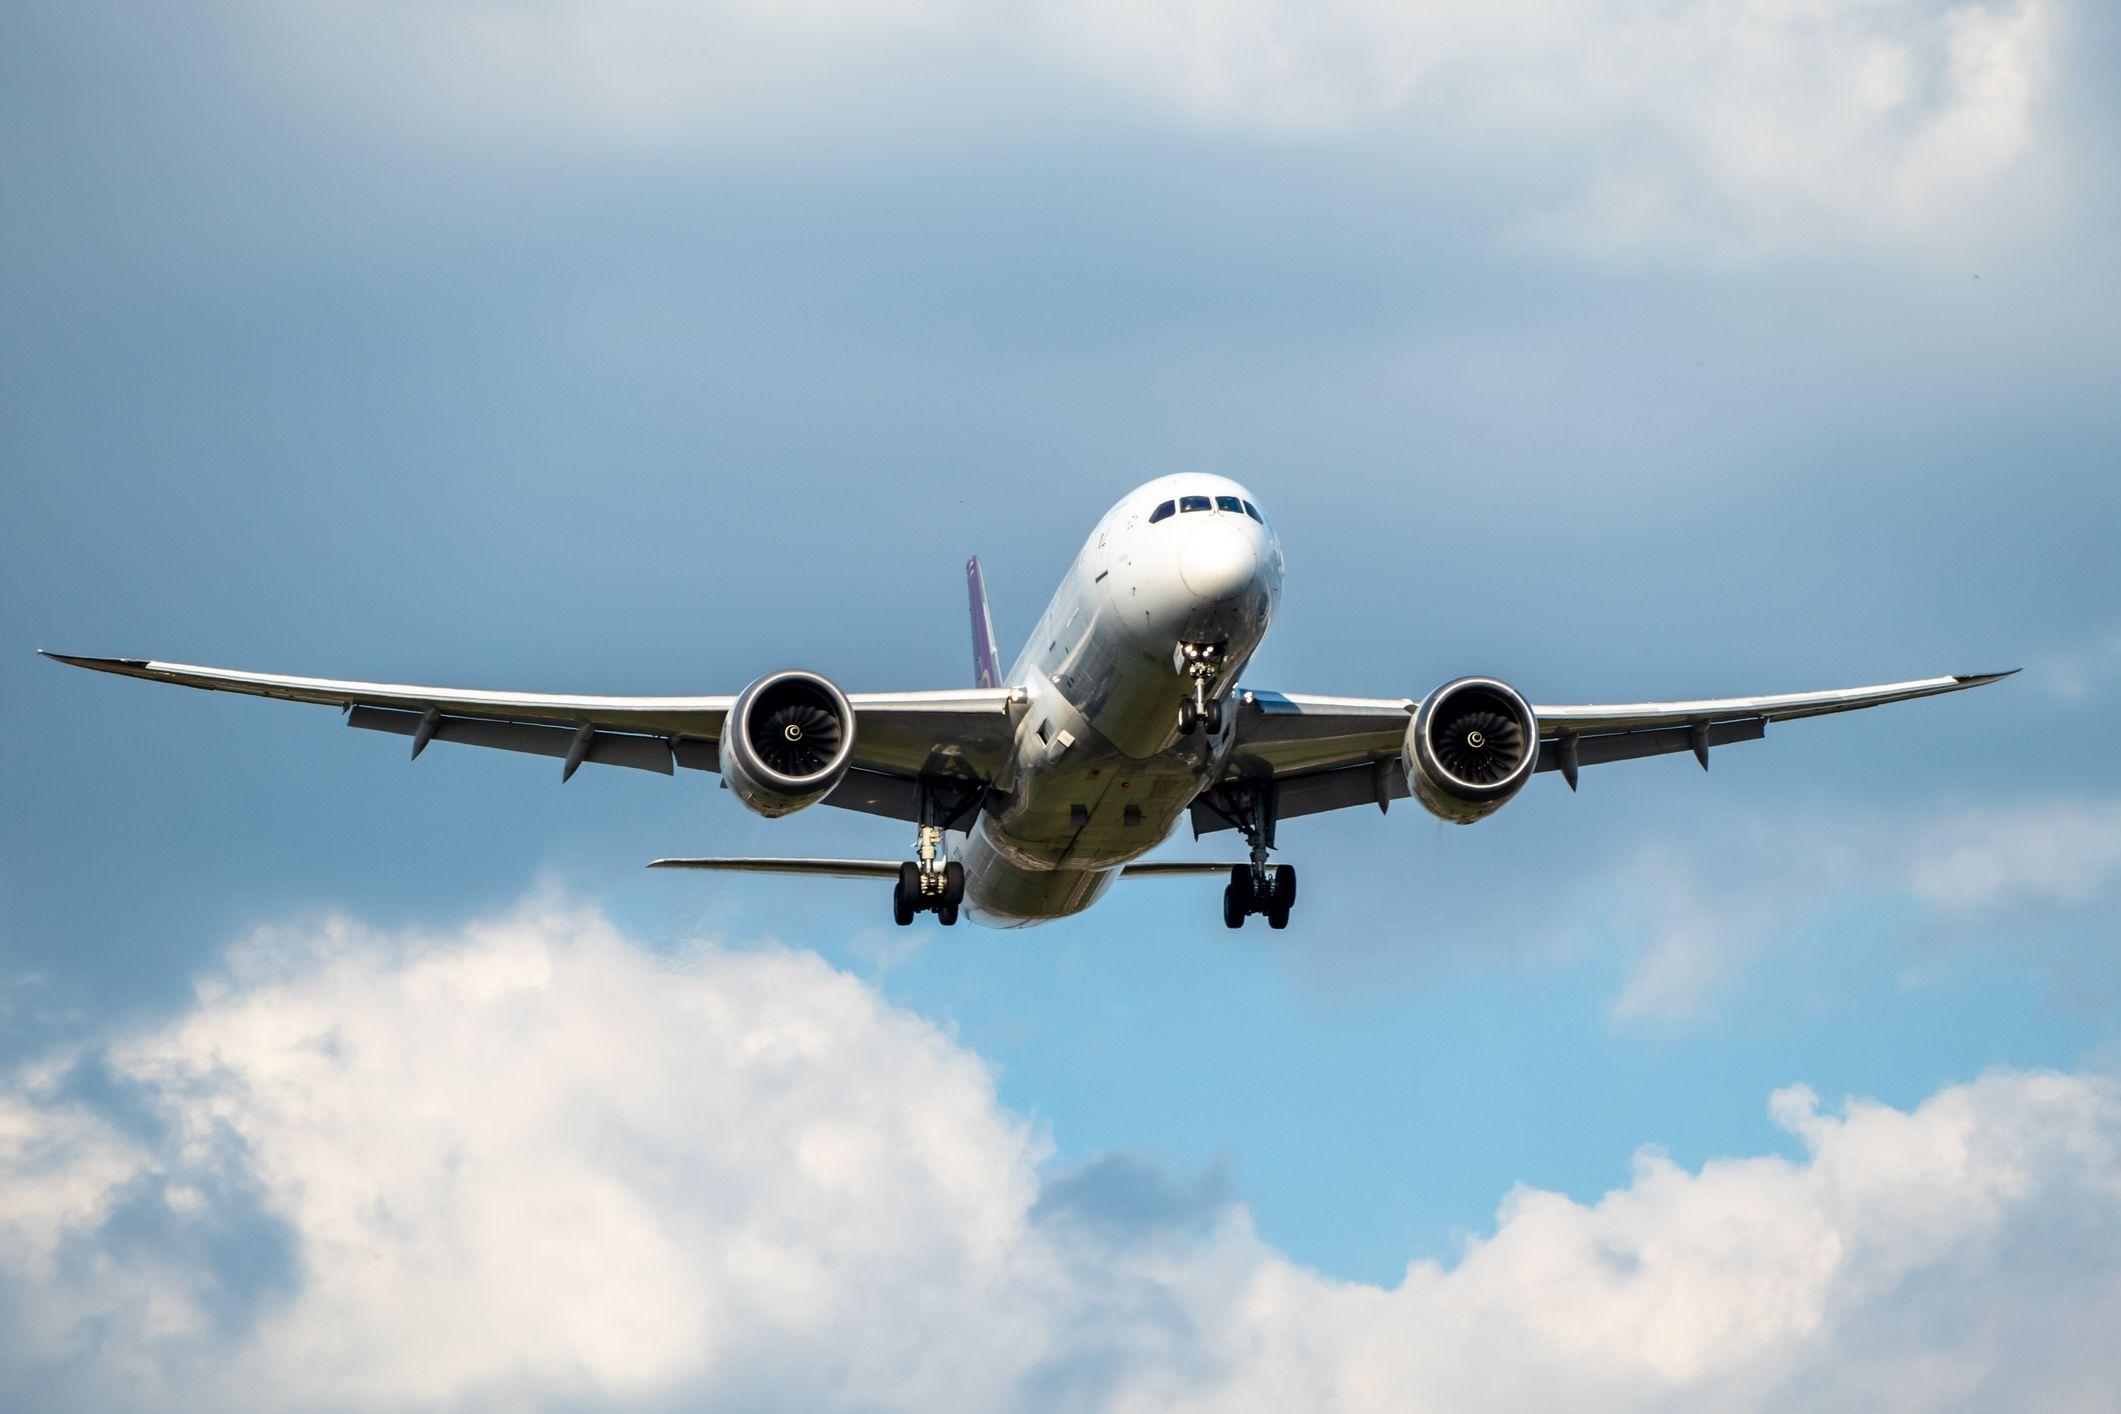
point(1193, 714)
point(1202, 663)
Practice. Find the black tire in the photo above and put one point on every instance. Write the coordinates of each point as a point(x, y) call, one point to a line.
point(1241, 882)
point(1188, 718)
point(953, 885)
point(1277, 917)
point(906, 896)
point(1233, 908)
point(947, 915)
point(1214, 718)
point(1285, 887)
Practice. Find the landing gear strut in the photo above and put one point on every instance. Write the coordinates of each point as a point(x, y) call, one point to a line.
point(1202, 664)
point(927, 883)
point(1258, 887)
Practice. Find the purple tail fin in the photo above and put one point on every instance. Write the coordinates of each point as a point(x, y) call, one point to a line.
point(986, 664)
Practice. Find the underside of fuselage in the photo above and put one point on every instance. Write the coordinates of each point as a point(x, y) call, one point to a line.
point(1123, 682)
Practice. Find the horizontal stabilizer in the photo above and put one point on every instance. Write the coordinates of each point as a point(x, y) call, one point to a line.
point(816, 868)
point(888, 868)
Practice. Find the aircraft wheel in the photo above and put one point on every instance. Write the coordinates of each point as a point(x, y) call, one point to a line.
point(953, 886)
point(946, 914)
point(1277, 917)
point(1285, 887)
point(1188, 717)
point(1233, 907)
point(906, 894)
point(1214, 718)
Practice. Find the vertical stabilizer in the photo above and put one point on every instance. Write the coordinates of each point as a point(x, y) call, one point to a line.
point(986, 664)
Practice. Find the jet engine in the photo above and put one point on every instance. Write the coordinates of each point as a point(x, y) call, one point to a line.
point(787, 742)
point(1472, 745)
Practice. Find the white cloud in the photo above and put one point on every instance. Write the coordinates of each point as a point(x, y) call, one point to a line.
point(1701, 915)
point(529, 1166)
point(1694, 941)
point(534, 1158)
point(1722, 128)
point(2062, 851)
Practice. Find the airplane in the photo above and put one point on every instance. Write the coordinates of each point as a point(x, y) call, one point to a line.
point(1034, 790)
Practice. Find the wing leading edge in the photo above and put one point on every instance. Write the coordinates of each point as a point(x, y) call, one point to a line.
point(1328, 753)
point(899, 735)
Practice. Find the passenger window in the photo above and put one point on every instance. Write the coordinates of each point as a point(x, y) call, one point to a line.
point(1253, 511)
point(1159, 513)
point(1229, 503)
point(1193, 503)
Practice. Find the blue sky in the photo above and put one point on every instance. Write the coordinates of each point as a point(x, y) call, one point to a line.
point(654, 348)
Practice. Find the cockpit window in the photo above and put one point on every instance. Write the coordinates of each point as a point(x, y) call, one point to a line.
point(1253, 511)
point(1160, 512)
point(1193, 503)
point(1229, 503)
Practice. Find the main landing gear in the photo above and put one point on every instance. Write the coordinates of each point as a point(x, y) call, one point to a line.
point(917, 891)
point(1258, 887)
point(928, 884)
point(1253, 889)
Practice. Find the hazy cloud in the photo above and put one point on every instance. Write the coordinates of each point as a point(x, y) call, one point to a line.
point(528, 1164)
point(1702, 917)
point(1724, 129)
point(2062, 851)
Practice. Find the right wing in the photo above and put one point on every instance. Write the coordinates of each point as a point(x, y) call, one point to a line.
point(899, 736)
point(1327, 753)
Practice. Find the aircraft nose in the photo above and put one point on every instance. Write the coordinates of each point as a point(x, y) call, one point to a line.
point(1218, 562)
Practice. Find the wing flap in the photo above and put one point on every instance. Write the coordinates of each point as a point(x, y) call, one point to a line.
point(644, 753)
point(962, 735)
point(1650, 741)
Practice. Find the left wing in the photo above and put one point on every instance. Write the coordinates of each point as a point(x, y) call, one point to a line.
point(899, 736)
point(1325, 753)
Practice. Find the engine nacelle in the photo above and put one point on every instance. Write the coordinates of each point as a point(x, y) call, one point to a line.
point(787, 742)
point(1472, 745)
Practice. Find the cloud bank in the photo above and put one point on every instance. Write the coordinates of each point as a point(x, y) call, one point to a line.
point(1726, 129)
point(529, 1165)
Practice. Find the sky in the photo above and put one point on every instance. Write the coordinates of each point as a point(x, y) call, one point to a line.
point(1619, 351)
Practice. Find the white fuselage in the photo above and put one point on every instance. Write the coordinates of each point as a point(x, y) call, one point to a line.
point(1101, 772)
